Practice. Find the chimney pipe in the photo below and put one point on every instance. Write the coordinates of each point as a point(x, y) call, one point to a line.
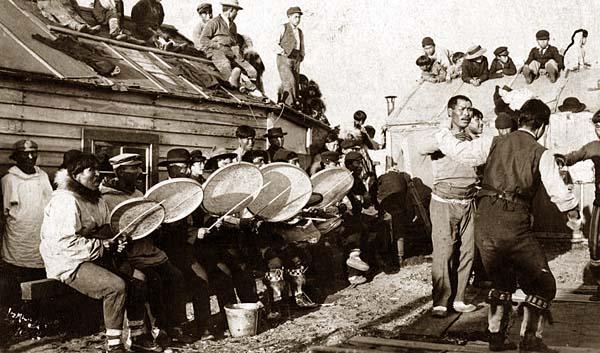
point(391, 101)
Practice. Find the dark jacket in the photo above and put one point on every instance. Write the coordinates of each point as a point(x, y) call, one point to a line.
point(550, 53)
point(472, 69)
point(498, 69)
point(147, 15)
point(288, 41)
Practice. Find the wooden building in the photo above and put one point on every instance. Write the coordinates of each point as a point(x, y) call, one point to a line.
point(148, 108)
point(416, 118)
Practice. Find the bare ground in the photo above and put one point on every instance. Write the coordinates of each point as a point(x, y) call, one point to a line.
point(382, 305)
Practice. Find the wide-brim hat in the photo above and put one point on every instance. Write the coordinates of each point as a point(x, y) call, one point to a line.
point(232, 3)
point(176, 155)
point(474, 52)
point(217, 153)
point(196, 156)
point(275, 132)
point(572, 104)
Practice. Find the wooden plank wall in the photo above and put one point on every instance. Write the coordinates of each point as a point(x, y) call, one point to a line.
point(54, 116)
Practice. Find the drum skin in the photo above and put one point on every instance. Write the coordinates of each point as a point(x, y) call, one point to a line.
point(179, 196)
point(152, 215)
point(333, 184)
point(230, 185)
point(286, 195)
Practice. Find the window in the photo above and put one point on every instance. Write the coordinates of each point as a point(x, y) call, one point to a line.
point(108, 143)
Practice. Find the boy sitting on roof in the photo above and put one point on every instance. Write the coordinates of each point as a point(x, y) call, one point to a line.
point(148, 16)
point(502, 65)
point(543, 60)
point(66, 13)
point(431, 70)
point(475, 67)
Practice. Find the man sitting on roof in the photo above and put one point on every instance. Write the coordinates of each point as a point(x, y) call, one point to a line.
point(220, 42)
point(66, 13)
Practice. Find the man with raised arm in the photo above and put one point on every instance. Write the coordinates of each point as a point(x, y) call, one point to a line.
point(516, 165)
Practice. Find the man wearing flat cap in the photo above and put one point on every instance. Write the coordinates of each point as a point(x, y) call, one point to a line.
point(276, 138)
point(206, 14)
point(543, 60)
point(475, 66)
point(220, 41)
point(502, 65)
point(290, 54)
point(26, 190)
point(245, 135)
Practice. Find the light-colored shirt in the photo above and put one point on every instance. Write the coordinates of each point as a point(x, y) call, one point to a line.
point(296, 36)
point(197, 33)
point(475, 153)
point(24, 199)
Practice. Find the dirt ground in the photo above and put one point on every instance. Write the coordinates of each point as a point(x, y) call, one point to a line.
point(378, 308)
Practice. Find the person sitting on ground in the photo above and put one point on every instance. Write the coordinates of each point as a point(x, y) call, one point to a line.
point(441, 55)
point(455, 69)
point(475, 127)
point(205, 12)
point(26, 190)
point(502, 65)
point(475, 66)
point(66, 13)
point(575, 55)
point(431, 70)
point(220, 42)
point(543, 60)
point(505, 124)
point(78, 247)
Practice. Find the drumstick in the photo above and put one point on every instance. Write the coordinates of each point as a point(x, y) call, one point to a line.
point(273, 200)
point(137, 219)
point(238, 205)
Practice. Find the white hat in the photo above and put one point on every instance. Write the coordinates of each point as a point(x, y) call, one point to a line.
point(125, 159)
point(232, 3)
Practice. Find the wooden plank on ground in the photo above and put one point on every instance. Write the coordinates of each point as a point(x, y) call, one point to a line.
point(427, 325)
point(467, 323)
point(44, 289)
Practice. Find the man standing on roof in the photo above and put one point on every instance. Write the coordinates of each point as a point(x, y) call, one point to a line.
point(220, 42)
point(26, 190)
point(206, 14)
point(516, 166)
point(290, 54)
point(452, 208)
point(245, 136)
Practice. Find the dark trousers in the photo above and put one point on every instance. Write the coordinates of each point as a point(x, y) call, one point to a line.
point(508, 247)
point(166, 294)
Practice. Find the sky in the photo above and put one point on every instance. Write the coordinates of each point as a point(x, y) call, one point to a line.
point(359, 51)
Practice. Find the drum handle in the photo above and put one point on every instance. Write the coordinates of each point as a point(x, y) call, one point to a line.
point(137, 219)
point(238, 205)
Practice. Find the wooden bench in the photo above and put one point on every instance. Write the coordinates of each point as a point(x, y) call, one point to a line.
point(44, 289)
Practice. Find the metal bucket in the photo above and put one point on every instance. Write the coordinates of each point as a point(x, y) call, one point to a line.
point(242, 319)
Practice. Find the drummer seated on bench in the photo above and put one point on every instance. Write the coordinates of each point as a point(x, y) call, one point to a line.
point(164, 281)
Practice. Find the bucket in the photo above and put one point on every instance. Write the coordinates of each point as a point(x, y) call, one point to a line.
point(242, 319)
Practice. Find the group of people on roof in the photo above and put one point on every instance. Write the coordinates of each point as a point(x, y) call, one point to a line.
point(61, 230)
point(217, 38)
point(440, 65)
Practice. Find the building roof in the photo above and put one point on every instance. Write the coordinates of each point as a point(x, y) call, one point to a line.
point(426, 104)
point(142, 69)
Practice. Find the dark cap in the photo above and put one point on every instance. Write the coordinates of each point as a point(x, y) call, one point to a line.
point(504, 121)
point(283, 155)
point(542, 34)
point(68, 156)
point(204, 7)
point(360, 115)
point(352, 156)
point(501, 51)
point(245, 131)
point(294, 9)
point(330, 156)
point(252, 154)
point(176, 155)
point(350, 143)
point(427, 41)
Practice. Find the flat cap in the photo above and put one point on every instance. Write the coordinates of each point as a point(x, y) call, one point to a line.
point(330, 156)
point(352, 156)
point(294, 9)
point(501, 51)
point(204, 7)
point(427, 41)
point(125, 159)
point(25, 146)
